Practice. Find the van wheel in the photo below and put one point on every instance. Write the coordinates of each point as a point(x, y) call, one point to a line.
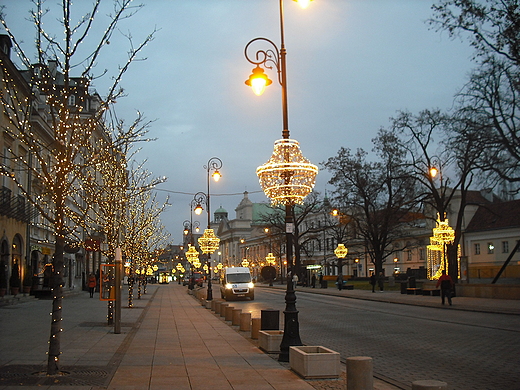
point(252, 297)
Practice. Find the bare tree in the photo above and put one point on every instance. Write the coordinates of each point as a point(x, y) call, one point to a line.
point(437, 142)
point(306, 229)
point(143, 230)
point(489, 101)
point(378, 196)
point(491, 26)
point(60, 168)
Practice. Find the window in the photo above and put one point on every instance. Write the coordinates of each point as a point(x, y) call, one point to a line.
point(491, 248)
point(505, 246)
point(421, 254)
point(408, 255)
point(477, 249)
point(72, 100)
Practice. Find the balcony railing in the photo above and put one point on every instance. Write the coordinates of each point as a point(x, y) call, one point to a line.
point(16, 206)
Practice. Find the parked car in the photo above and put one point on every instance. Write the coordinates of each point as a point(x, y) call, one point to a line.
point(198, 278)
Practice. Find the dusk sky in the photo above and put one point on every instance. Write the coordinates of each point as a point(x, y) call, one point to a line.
point(351, 65)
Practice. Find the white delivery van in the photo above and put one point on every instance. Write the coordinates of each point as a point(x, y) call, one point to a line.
point(237, 283)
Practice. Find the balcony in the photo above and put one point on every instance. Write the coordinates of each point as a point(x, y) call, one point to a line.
point(16, 206)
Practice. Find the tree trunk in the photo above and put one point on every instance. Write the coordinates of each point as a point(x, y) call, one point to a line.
point(453, 266)
point(53, 361)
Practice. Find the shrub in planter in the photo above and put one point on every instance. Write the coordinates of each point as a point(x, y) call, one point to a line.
point(14, 280)
point(27, 281)
point(3, 280)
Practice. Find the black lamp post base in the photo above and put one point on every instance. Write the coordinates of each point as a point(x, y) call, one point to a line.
point(291, 333)
point(209, 297)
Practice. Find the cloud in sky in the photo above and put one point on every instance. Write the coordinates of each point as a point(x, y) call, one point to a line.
point(351, 64)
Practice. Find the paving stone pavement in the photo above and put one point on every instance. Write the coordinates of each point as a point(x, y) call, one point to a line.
point(167, 341)
point(149, 347)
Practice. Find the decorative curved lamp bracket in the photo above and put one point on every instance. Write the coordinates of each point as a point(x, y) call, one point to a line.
point(269, 58)
point(214, 164)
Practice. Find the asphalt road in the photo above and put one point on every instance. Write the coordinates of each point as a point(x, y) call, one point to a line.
point(468, 350)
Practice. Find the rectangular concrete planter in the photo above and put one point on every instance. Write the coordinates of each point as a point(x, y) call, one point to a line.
point(314, 362)
point(269, 340)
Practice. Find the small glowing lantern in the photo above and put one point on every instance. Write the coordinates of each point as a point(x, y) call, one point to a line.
point(341, 251)
point(271, 260)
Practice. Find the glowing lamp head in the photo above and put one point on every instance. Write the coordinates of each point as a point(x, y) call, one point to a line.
point(258, 80)
point(433, 171)
point(216, 175)
point(303, 3)
point(198, 209)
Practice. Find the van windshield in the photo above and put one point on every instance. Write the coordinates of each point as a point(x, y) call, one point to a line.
point(239, 278)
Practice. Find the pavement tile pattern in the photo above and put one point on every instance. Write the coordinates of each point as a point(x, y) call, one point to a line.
point(168, 340)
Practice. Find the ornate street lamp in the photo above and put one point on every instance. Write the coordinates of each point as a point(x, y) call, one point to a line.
point(287, 178)
point(208, 242)
point(341, 253)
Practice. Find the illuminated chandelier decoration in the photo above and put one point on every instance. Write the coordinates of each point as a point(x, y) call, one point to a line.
point(341, 251)
point(245, 263)
point(270, 259)
point(192, 254)
point(288, 177)
point(443, 234)
point(208, 242)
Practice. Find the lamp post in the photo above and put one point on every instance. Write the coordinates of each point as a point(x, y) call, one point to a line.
point(340, 252)
point(443, 233)
point(208, 242)
point(287, 178)
point(188, 232)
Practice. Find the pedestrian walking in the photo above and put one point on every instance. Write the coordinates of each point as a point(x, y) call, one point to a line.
point(381, 281)
point(446, 283)
point(373, 281)
point(313, 281)
point(295, 280)
point(91, 284)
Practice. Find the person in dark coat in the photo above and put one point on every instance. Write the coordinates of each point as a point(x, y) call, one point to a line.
point(373, 282)
point(446, 283)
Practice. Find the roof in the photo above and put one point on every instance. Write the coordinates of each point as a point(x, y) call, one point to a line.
point(221, 210)
point(492, 216)
point(262, 209)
